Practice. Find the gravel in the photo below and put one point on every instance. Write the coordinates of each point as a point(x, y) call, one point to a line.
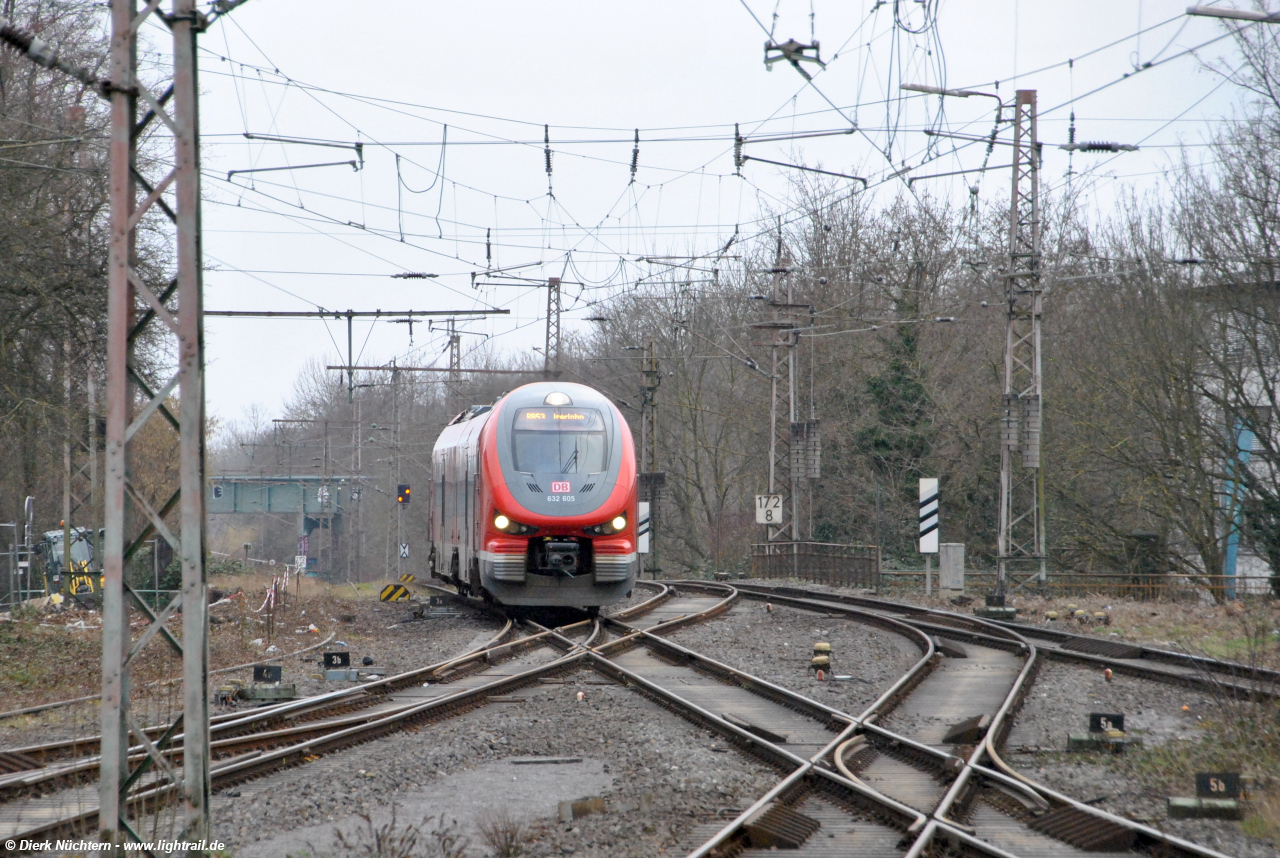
point(1063, 696)
point(382, 632)
point(1060, 703)
point(645, 753)
point(367, 628)
point(778, 645)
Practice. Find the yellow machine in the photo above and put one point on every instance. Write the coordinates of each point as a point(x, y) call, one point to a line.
point(74, 577)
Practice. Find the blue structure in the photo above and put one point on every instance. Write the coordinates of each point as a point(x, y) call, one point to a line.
point(1234, 507)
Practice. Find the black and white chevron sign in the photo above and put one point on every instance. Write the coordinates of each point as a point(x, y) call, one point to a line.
point(929, 515)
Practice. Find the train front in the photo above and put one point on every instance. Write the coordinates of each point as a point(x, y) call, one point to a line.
point(559, 519)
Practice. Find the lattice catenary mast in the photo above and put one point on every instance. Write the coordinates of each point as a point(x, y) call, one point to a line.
point(1022, 537)
point(174, 313)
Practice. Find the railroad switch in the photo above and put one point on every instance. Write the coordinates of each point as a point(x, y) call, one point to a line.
point(1218, 796)
point(776, 826)
point(1106, 733)
point(996, 613)
point(949, 648)
point(968, 732)
point(1115, 741)
point(1205, 808)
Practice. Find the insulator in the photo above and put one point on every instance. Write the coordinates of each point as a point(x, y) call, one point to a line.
point(635, 156)
point(737, 149)
point(546, 140)
point(805, 450)
point(488, 248)
point(1031, 422)
point(1009, 420)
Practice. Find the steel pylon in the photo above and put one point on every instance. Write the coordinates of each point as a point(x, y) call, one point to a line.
point(1021, 540)
point(172, 315)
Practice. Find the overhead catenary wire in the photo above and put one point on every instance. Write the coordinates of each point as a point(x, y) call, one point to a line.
point(588, 230)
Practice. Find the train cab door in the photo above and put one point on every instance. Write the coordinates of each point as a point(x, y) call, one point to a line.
point(474, 528)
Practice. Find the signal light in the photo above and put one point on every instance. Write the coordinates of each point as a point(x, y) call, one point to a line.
point(402, 494)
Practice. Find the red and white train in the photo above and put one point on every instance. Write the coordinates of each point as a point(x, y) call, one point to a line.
point(533, 499)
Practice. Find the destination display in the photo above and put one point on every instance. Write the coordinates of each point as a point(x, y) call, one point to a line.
point(558, 420)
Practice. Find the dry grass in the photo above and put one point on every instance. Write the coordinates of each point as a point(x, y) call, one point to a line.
point(1217, 631)
point(431, 838)
point(502, 833)
point(1263, 822)
point(57, 655)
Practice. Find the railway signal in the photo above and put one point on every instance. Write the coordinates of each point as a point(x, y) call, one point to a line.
point(402, 494)
point(928, 526)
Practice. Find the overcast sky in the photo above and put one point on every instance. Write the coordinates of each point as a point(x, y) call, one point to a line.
point(393, 75)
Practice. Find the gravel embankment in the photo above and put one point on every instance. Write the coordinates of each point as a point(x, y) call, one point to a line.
point(1060, 703)
point(1063, 696)
point(396, 644)
point(367, 628)
point(632, 750)
point(778, 646)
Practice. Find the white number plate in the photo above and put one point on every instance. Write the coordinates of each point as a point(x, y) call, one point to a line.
point(768, 509)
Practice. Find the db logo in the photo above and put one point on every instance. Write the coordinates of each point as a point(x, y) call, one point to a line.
point(560, 488)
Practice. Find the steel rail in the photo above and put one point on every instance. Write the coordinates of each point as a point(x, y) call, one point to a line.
point(904, 816)
point(486, 654)
point(377, 724)
point(919, 821)
point(58, 704)
point(259, 763)
point(939, 822)
point(1201, 666)
point(233, 720)
point(916, 822)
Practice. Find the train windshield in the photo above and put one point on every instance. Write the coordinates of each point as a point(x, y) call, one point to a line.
point(560, 441)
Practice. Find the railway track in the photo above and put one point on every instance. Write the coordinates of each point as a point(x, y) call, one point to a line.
point(884, 782)
point(1146, 662)
point(959, 797)
point(251, 745)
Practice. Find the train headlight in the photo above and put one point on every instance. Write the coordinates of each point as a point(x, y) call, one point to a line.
point(616, 525)
point(506, 525)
